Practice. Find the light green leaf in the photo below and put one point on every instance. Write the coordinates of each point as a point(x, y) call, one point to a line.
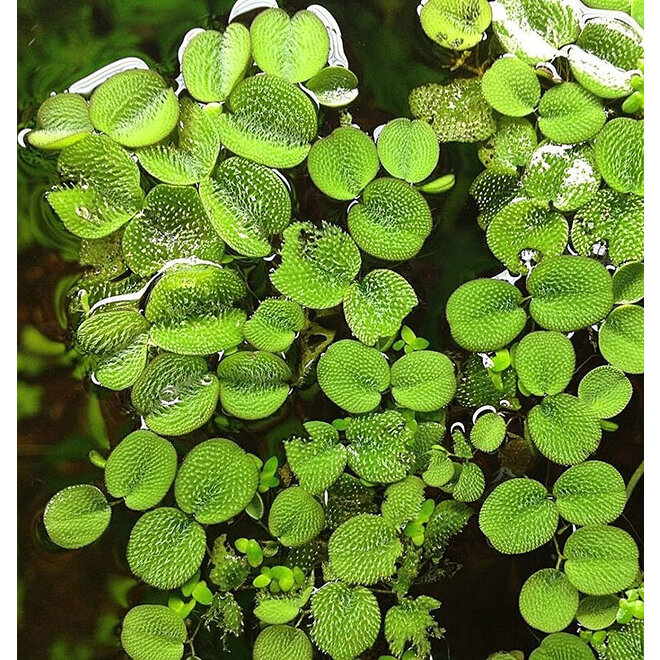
point(392, 220)
point(477, 388)
point(518, 516)
point(511, 87)
point(135, 108)
point(440, 470)
point(403, 501)
point(216, 481)
point(448, 519)
point(141, 469)
point(348, 497)
point(628, 283)
point(548, 601)
point(282, 643)
point(62, 120)
point(488, 432)
point(334, 86)
point(165, 548)
point(597, 612)
point(545, 362)
point(77, 516)
point(296, 517)
point(621, 338)
point(253, 385)
point(247, 203)
point(410, 624)
point(153, 631)
point(626, 643)
point(295, 48)
point(455, 24)
point(504, 152)
point(274, 325)
point(470, 484)
point(493, 189)
point(606, 390)
point(620, 154)
point(561, 646)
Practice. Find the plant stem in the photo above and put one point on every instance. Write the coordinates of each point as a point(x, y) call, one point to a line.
point(636, 476)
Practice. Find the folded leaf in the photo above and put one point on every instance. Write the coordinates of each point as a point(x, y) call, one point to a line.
point(62, 120)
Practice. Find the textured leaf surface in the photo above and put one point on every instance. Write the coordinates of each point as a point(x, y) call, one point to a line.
point(346, 620)
point(141, 469)
point(518, 517)
point(348, 497)
point(621, 338)
point(214, 62)
point(274, 325)
point(511, 87)
point(318, 264)
point(403, 501)
point(411, 622)
point(627, 643)
point(590, 493)
point(564, 429)
point(423, 381)
point(364, 549)
point(216, 481)
point(470, 484)
point(600, 560)
point(392, 221)
point(597, 612)
point(545, 362)
point(476, 387)
point(153, 632)
point(77, 516)
point(175, 394)
point(253, 385)
point(191, 308)
point(548, 601)
point(165, 548)
point(247, 203)
point(569, 293)
point(509, 148)
point(271, 121)
point(296, 517)
point(448, 519)
point(620, 154)
point(173, 225)
point(334, 86)
point(456, 24)
point(628, 283)
point(485, 315)
point(282, 643)
point(493, 189)
point(343, 163)
point(62, 120)
point(606, 390)
point(353, 375)
point(135, 108)
point(408, 149)
point(488, 432)
point(562, 646)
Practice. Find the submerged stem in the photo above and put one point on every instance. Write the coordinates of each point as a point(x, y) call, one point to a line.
point(636, 476)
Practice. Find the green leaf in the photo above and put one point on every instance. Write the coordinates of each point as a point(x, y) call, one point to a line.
point(456, 111)
point(470, 484)
point(440, 185)
point(569, 293)
point(348, 497)
point(376, 306)
point(621, 338)
point(570, 114)
point(526, 231)
point(77, 516)
point(192, 155)
point(488, 432)
point(153, 631)
point(597, 612)
point(343, 163)
point(317, 462)
point(282, 643)
point(191, 308)
point(296, 517)
point(626, 643)
point(563, 175)
point(379, 449)
point(346, 620)
point(440, 470)
point(101, 190)
point(295, 48)
point(590, 493)
point(165, 548)
point(411, 622)
point(334, 86)
point(610, 220)
point(141, 469)
point(135, 108)
point(423, 381)
point(548, 601)
point(274, 325)
point(172, 226)
point(116, 340)
point(628, 283)
point(448, 519)
point(620, 154)
point(559, 646)
point(509, 148)
point(253, 385)
point(408, 149)
point(518, 516)
point(318, 264)
point(214, 62)
point(175, 394)
point(403, 501)
point(511, 87)
point(364, 550)
point(601, 560)
point(485, 315)
point(271, 121)
point(545, 362)
point(353, 375)
point(564, 429)
point(216, 481)
point(62, 120)
point(455, 24)
point(247, 203)
point(606, 390)
point(392, 220)
point(478, 387)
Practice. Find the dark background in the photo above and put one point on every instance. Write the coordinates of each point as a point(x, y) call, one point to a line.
point(71, 602)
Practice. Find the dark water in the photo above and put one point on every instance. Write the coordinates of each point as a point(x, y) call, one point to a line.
point(70, 602)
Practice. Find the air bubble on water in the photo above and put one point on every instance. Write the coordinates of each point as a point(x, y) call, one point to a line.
point(506, 276)
point(207, 379)
point(377, 131)
point(599, 249)
point(270, 257)
point(457, 426)
point(244, 6)
point(94, 379)
point(529, 258)
point(337, 56)
point(481, 411)
point(21, 137)
point(420, 6)
point(486, 360)
point(143, 423)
